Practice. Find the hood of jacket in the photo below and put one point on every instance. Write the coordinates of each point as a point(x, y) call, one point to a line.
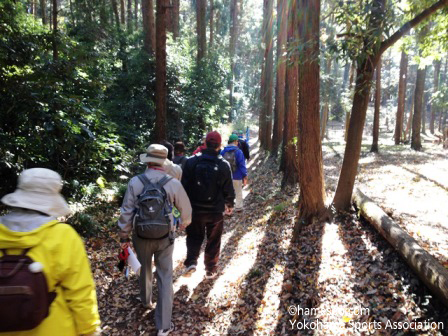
point(229, 148)
point(14, 239)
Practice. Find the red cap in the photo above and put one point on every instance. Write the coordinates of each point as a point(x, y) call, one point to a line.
point(213, 137)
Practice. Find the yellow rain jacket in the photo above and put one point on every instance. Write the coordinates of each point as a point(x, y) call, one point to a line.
point(61, 251)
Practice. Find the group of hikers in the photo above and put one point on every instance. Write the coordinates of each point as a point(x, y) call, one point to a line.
point(46, 284)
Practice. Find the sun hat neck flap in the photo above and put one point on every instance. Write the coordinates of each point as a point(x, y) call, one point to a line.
point(155, 153)
point(39, 189)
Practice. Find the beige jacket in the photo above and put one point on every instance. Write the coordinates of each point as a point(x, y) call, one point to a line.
point(174, 189)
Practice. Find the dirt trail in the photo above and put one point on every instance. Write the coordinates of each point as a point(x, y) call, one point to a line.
point(344, 270)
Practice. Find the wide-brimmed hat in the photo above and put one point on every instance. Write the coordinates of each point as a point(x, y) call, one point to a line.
point(39, 189)
point(155, 153)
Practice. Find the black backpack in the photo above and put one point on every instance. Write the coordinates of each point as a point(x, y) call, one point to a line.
point(205, 184)
point(24, 297)
point(152, 218)
point(230, 157)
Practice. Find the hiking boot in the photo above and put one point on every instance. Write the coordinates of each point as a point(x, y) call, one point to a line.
point(165, 332)
point(189, 271)
point(211, 275)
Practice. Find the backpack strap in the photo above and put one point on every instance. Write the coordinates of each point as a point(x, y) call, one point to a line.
point(164, 180)
point(144, 179)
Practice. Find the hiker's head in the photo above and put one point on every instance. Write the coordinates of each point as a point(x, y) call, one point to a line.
point(155, 155)
point(179, 148)
point(233, 139)
point(213, 140)
point(169, 147)
point(39, 189)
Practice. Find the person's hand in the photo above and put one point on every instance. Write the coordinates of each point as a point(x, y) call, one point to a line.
point(182, 227)
point(228, 211)
point(245, 181)
point(124, 246)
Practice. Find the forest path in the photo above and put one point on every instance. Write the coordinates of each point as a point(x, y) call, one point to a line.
point(345, 270)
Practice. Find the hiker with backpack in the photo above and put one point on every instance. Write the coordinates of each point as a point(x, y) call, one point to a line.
point(146, 211)
point(207, 178)
point(46, 285)
point(179, 154)
point(235, 157)
point(170, 167)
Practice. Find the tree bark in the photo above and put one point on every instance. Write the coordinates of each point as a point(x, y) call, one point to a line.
point(212, 12)
point(427, 268)
point(116, 14)
point(401, 97)
point(161, 87)
point(149, 42)
point(201, 28)
point(290, 166)
point(266, 142)
point(347, 114)
point(232, 47)
point(376, 115)
point(279, 107)
point(136, 14)
point(55, 31)
point(176, 10)
point(418, 105)
point(364, 74)
point(43, 11)
point(326, 108)
point(311, 179)
point(435, 89)
point(129, 23)
point(122, 12)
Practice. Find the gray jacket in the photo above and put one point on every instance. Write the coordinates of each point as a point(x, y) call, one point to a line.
point(174, 189)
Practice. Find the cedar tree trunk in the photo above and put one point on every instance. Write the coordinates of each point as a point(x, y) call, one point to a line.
point(418, 105)
point(376, 115)
point(161, 88)
point(201, 28)
point(149, 32)
point(311, 179)
point(436, 88)
point(289, 165)
point(279, 107)
point(401, 97)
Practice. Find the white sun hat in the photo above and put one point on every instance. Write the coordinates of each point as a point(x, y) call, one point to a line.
point(39, 189)
point(155, 153)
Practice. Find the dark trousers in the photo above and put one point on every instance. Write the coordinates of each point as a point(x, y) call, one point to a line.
point(202, 224)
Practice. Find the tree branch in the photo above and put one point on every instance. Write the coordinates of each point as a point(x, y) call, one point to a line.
point(411, 24)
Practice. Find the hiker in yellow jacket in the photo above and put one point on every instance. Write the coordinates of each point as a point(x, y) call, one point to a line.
point(32, 224)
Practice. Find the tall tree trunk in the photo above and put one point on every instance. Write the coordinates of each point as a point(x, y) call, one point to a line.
point(201, 6)
point(129, 23)
point(55, 31)
point(232, 47)
point(289, 164)
point(364, 73)
point(409, 123)
point(443, 79)
point(136, 14)
point(266, 142)
point(279, 107)
point(418, 105)
point(149, 42)
point(169, 18)
point(122, 13)
point(376, 115)
point(311, 179)
point(435, 89)
point(161, 88)
point(176, 10)
point(116, 14)
point(43, 11)
point(401, 97)
point(326, 108)
point(212, 12)
point(347, 114)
